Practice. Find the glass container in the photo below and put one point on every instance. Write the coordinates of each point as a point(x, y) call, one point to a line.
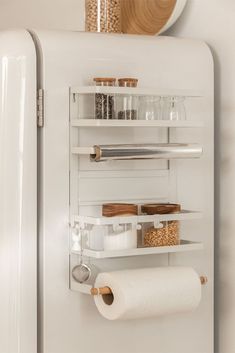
point(173, 108)
point(103, 16)
point(127, 105)
point(149, 108)
point(104, 103)
point(164, 233)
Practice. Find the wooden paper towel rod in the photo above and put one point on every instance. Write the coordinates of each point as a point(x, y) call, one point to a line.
point(107, 290)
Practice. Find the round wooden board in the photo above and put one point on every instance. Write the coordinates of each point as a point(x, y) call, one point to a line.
point(146, 16)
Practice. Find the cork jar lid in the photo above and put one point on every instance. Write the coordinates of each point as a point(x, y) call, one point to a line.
point(127, 82)
point(107, 80)
point(160, 208)
point(119, 209)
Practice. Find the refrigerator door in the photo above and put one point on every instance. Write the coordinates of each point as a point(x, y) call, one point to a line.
point(18, 211)
point(69, 320)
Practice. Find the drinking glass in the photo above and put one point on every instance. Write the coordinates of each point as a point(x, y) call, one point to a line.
point(149, 108)
point(173, 108)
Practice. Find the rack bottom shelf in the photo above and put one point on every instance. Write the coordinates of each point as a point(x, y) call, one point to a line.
point(185, 245)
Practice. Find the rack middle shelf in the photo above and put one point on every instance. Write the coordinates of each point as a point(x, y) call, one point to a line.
point(87, 223)
point(185, 245)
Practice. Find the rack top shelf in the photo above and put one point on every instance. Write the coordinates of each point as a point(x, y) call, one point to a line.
point(137, 91)
point(183, 215)
point(135, 123)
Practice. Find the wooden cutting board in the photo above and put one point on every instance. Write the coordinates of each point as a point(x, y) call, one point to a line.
point(146, 16)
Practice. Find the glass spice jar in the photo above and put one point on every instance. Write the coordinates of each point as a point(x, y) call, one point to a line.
point(127, 104)
point(103, 16)
point(167, 233)
point(104, 103)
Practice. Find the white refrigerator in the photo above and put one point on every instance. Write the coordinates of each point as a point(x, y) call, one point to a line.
point(50, 189)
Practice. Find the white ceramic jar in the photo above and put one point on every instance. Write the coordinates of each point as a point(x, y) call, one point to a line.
point(120, 237)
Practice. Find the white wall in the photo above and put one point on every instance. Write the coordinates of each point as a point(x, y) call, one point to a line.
point(212, 21)
point(42, 14)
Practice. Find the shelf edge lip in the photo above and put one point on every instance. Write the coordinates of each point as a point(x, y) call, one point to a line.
point(138, 91)
point(136, 123)
point(186, 246)
point(99, 221)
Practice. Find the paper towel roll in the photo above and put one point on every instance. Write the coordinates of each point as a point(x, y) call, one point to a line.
point(148, 292)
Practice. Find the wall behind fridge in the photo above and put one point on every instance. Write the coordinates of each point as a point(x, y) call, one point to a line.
point(212, 21)
point(43, 14)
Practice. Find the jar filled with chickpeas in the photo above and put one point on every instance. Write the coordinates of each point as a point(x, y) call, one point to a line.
point(164, 233)
point(103, 16)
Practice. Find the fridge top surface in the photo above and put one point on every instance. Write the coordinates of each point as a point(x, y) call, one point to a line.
point(118, 55)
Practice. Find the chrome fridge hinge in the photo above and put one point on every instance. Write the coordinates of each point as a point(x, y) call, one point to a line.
point(40, 107)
